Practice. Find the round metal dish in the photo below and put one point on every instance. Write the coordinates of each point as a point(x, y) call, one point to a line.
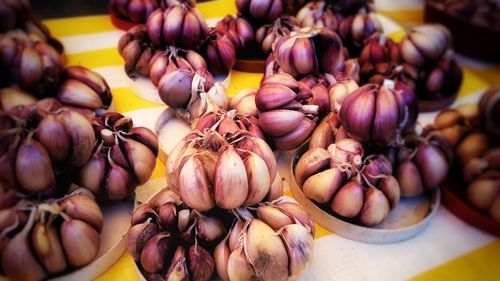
point(410, 216)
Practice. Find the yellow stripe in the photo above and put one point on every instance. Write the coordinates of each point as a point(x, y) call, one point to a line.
point(404, 16)
point(94, 59)
point(481, 264)
point(471, 83)
point(488, 74)
point(218, 8)
point(79, 25)
point(125, 100)
point(243, 80)
point(123, 270)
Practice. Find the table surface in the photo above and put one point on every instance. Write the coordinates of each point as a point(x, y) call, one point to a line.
point(447, 249)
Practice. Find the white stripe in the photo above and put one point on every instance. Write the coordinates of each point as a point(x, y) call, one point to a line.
point(91, 42)
point(101, 40)
point(398, 4)
point(446, 237)
point(114, 75)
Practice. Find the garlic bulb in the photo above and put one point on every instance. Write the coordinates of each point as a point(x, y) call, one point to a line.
point(123, 157)
point(268, 34)
point(133, 10)
point(237, 29)
point(172, 59)
point(208, 169)
point(378, 114)
point(263, 249)
point(34, 66)
point(219, 52)
point(83, 88)
point(310, 51)
point(260, 11)
point(36, 139)
point(136, 49)
point(56, 235)
point(425, 44)
point(284, 116)
point(355, 29)
point(185, 26)
point(171, 241)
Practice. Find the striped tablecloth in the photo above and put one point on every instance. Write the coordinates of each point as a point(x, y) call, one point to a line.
point(448, 249)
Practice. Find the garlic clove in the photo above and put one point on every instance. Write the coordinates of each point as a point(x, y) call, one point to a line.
point(52, 136)
point(492, 156)
point(273, 217)
point(322, 186)
point(183, 218)
point(194, 188)
point(271, 96)
point(261, 148)
point(17, 257)
point(82, 136)
point(358, 108)
point(298, 214)
point(235, 235)
point(83, 208)
point(482, 192)
point(47, 248)
point(221, 259)
point(141, 159)
point(385, 122)
point(409, 179)
point(142, 213)
point(349, 200)
point(495, 208)
point(33, 167)
point(146, 137)
point(265, 252)
point(299, 245)
point(209, 228)
point(295, 138)
point(80, 241)
point(201, 263)
point(280, 122)
point(157, 252)
point(11, 97)
point(75, 93)
point(174, 88)
point(311, 162)
point(390, 187)
point(118, 183)
point(375, 208)
point(302, 56)
point(138, 235)
point(167, 216)
point(238, 267)
point(432, 164)
point(276, 189)
point(321, 137)
point(93, 173)
point(231, 180)
point(259, 180)
point(177, 270)
point(472, 145)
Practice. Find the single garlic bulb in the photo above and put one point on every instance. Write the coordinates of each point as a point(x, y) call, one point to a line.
point(50, 237)
point(281, 232)
point(34, 66)
point(171, 241)
point(133, 10)
point(186, 27)
point(268, 34)
point(136, 50)
point(354, 186)
point(237, 29)
point(123, 157)
point(208, 169)
point(310, 51)
point(284, 114)
point(35, 141)
point(171, 59)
